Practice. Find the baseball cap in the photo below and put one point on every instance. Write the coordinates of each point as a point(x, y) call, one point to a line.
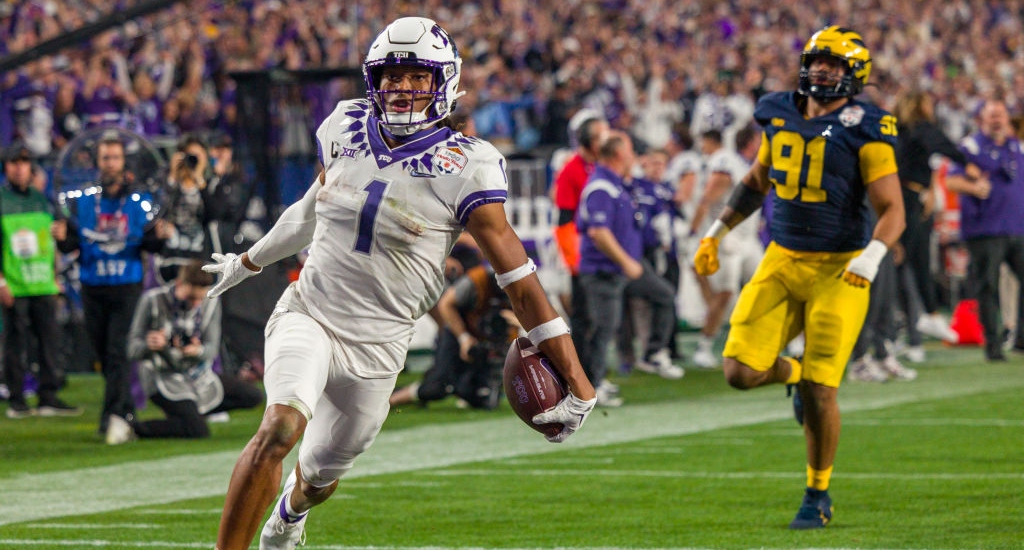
point(17, 151)
point(221, 139)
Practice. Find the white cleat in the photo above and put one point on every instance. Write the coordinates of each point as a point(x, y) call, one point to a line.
point(896, 369)
point(279, 534)
point(705, 359)
point(608, 395)
point(119, 431)
point(867, 369)
point(915, 354)
point(661, 364)
point(935, 325)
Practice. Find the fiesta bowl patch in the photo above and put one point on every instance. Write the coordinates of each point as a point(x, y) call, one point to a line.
point(851, 116)
point(450, 160)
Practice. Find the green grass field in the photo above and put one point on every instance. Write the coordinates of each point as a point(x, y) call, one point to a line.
point(932, 464)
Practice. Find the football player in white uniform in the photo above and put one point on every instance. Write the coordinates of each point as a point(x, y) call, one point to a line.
point(397, 188)
point(741, 250)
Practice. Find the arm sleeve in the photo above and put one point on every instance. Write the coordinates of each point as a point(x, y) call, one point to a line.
point(877, 159)
point(292, 232)
point(937, 142)
point(764, 152)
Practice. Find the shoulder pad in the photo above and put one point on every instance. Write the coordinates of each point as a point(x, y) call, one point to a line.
point(475, 149)
point(872, 122)
point(773, 105)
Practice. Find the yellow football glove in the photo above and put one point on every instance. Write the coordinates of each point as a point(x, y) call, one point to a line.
point(853, 279)
point(705, 261)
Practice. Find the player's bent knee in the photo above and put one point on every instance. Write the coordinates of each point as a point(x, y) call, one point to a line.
point(280, 430)
point(738, 375)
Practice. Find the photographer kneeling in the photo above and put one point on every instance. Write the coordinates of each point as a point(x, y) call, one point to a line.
point(478, 326)
point(175, 336)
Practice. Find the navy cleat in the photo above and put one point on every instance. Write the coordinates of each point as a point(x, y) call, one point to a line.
point(798, 404)
point(815, 511)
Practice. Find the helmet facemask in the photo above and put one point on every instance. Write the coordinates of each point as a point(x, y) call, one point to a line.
point(845, 86)
point(841, 44)
point(420, 43)
point(410, 121)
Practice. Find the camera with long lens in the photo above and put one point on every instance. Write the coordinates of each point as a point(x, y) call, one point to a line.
point(191, 161)
point(489, 356)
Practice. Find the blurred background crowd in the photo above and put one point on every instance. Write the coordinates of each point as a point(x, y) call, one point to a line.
point(229, 93)
point(528, 65)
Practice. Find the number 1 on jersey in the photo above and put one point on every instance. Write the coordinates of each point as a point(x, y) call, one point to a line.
point(368, 215)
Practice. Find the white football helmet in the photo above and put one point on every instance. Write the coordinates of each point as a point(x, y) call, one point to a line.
point(420, 42)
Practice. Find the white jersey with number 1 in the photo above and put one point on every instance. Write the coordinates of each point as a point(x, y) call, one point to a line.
point(387, 218)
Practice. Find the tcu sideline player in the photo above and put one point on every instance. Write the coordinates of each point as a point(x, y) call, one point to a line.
point(397, 188)
point(741, 250)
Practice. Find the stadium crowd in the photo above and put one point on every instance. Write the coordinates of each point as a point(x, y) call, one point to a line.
point(528, 65)
point(665, 73)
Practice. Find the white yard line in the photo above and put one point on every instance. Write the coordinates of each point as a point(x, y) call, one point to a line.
point(153, 482)
point(118, 526)
point(593, 472)
point(84, 543)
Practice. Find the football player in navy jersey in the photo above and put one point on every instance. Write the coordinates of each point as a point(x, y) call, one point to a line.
point(824, 152)
point(397, 189)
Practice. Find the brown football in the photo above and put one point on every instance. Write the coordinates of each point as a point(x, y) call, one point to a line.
point(532, 384)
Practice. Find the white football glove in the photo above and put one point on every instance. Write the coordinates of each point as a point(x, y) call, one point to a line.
point(571, 412)
point(231, 272)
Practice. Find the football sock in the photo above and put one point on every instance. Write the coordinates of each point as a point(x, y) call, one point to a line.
point(795, 372)
point(705, 342)
point(818, 479)
point(287, 513)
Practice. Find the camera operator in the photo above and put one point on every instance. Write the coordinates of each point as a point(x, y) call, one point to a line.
point(175, 336)
point(478, 325)
point(185, 208)
point(110, 231)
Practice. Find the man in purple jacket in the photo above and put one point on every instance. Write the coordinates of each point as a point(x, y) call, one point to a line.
point(612, 265)
point(991, 201)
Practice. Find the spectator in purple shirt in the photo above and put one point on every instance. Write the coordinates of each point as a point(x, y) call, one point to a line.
point(106, 91)
point(991, 224)
point(612, 267)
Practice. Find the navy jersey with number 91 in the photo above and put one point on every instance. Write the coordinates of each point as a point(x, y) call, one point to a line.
point(820, 168)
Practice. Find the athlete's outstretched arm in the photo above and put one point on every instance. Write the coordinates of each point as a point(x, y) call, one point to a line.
point(292, 232)
point(546, 329)
point(746, 199)
point(502, 247)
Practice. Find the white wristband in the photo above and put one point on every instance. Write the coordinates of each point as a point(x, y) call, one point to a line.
point(521, 272)
point(547, 330)
point(717, 230)
point(875, 251)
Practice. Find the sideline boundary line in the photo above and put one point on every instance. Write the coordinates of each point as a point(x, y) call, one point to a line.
point(146, 483)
